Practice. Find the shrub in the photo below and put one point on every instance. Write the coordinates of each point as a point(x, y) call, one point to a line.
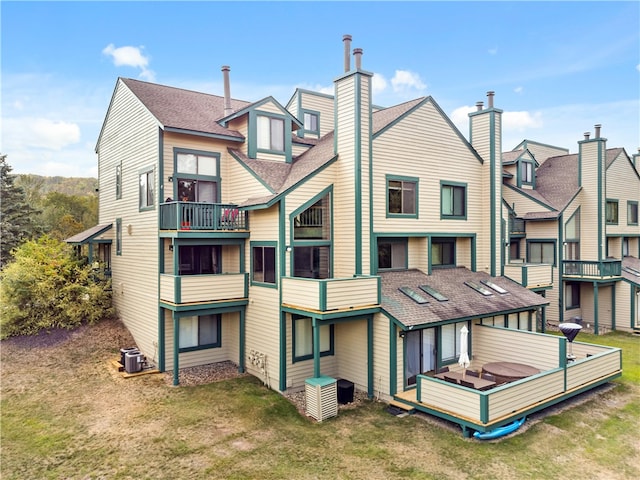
point(45, 287)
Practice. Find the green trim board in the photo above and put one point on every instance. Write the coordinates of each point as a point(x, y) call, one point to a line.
point(252, 141)
point(325, 353)
point(282, 259)
point(271, 244)
point(195, 133)
point(444, 184)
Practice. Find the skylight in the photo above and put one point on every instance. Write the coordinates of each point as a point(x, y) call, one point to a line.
point(413, 295)
point(495, 287)
point(632, 271)
point(479, 288)
point(434, 293)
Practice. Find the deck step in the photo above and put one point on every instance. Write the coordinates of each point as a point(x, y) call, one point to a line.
point(401, 406)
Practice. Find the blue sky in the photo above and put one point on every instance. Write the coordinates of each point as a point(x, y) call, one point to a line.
point(558, 68)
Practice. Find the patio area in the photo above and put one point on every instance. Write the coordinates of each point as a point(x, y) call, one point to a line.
point(484, 410)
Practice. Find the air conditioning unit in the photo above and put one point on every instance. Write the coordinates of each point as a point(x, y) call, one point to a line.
point(322, 397)
point(133, 362)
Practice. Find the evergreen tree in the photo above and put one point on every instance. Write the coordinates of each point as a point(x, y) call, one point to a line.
point(17, 217)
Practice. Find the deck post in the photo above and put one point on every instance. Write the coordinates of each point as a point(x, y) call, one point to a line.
point(176, 349)
point(316, 348)
point(370, 380)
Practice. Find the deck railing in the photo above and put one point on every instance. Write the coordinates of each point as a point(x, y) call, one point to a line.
point(592, 268)
point(530, 275)
point(181, 289)
point(331, 293)
point(201, 216)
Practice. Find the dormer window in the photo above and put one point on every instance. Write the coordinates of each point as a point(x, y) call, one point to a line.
point(270, 133)
point(526, 173)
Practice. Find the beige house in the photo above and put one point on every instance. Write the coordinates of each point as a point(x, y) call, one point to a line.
point(329, 239)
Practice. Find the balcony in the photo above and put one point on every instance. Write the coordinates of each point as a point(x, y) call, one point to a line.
point(592, 269)
point(189, 289)
point(202, 216)
point(530, 275)
point(331, 294)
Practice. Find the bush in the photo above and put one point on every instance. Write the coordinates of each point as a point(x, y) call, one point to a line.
point(45, 287)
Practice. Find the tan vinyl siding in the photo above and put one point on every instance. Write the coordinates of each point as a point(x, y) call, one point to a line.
point(382, 357)
point(297, 149)
point(523, 204)
point(269, 107)
point(623, 185)
point(579, 373)
point(301, 290)
point(242, 184)
point(457, 401)
point(418, 255)
point(321, 104)
point(351, 352)
point(589, 241)
point(130, 137)
point(228, 350)
point(624, 296)
point(542, 152)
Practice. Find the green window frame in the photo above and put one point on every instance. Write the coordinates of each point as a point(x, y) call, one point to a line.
point(443, 252)
point(541, 251)
point(200, 332)
point(526, 173)
point(119, 181)
point(311, 122)
point(453, 200)
point(270, 135)
point(196, 175)
point(572, 295)
point(146, 184)
point(264, 268)
point(611, 212)
point(118, 236)
point(402, 196)
point(392, 253)
point(632, 212)
point(302, 338)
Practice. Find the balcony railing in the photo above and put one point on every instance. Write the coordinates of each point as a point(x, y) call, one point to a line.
point(331, 293)
point(592, 268)
point(182, 289)
point(201, 216)
point(516, 226)
point(530, 275)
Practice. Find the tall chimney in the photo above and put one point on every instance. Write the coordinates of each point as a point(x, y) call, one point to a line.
point(357, 53)
point(227, 91)
point(490, 95)
point(597, 127)
point(347, 52)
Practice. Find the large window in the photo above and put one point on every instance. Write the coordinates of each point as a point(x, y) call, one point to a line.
point(303, 338)
point(632, 213)
point(197, 176)
point(572, 295)
point(402, 196)
point(312, 240)
point(264, 264)
point(443, 252)
point(200, 259)
point(146, 189)
point(392, 253)
point(270, 133)
point(542, 252)
point(453, 200)
point(612, 212)
point(199, 332)
point(450, 341)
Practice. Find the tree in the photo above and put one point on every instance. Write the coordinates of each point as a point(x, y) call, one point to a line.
point(17, 216)
point(45, 287)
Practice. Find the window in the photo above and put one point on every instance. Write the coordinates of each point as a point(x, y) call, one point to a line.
point(302, 332)
point(311, 122)
point(453, 201)
point(118, 236)
point(572, 237)
point(526, 172)
point(200, 259)
point(632, 213)
point(270, 133)
point(312, 239)
point(118, 181)
point(514, 250)
point(450, 338)
point(572, 295)
point(612, 212)
point(197, 176)
point(311, 262)
point(392, 253)
point(264, 264)
point(313, 222)
point(147, 185)
point(542, 252)
point(402, 196)
point(199, 332)
point(443, 252)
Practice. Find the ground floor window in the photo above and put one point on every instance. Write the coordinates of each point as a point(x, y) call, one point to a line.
point(443, 252)
point(392, 253)
point(572, 295)
point(302, 331)
point(420, 353)
point(199, 332)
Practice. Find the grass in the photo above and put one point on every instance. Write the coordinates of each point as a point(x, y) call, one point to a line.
point(71, 419)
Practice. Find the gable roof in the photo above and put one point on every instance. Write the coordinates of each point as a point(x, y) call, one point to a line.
point(463, 302)
point(179, 109)
point(88, 235)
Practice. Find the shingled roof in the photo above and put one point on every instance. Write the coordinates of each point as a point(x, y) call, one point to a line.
point(462, 303)
point(184, 109)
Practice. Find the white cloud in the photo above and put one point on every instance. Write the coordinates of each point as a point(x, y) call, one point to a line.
point(378, 83)
point(460, 118)
point(493, 51)
point(130, 57)
point(521, 121)
point(39, 133)
point(405, 81)
point(638, 67)
point(518, 89)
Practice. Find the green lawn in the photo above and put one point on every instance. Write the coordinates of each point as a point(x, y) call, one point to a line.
point(66, 415)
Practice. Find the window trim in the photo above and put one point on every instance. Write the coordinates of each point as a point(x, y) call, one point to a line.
point(263, 245)
point(404, 241)
point(542, 241)
point(294, 318)
point(572, 285)
point(521, 174)
point(119, 181)
point(119, 236)
point(446, 183)
point(147, 172)
point(196, 176)
point(304, 130)
point(443, 240)
point(403, 180)
point(612, 201)
point(631, 203)
point(272, 117)
point(207, 346)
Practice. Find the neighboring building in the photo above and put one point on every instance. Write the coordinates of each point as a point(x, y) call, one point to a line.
point(329, 237)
